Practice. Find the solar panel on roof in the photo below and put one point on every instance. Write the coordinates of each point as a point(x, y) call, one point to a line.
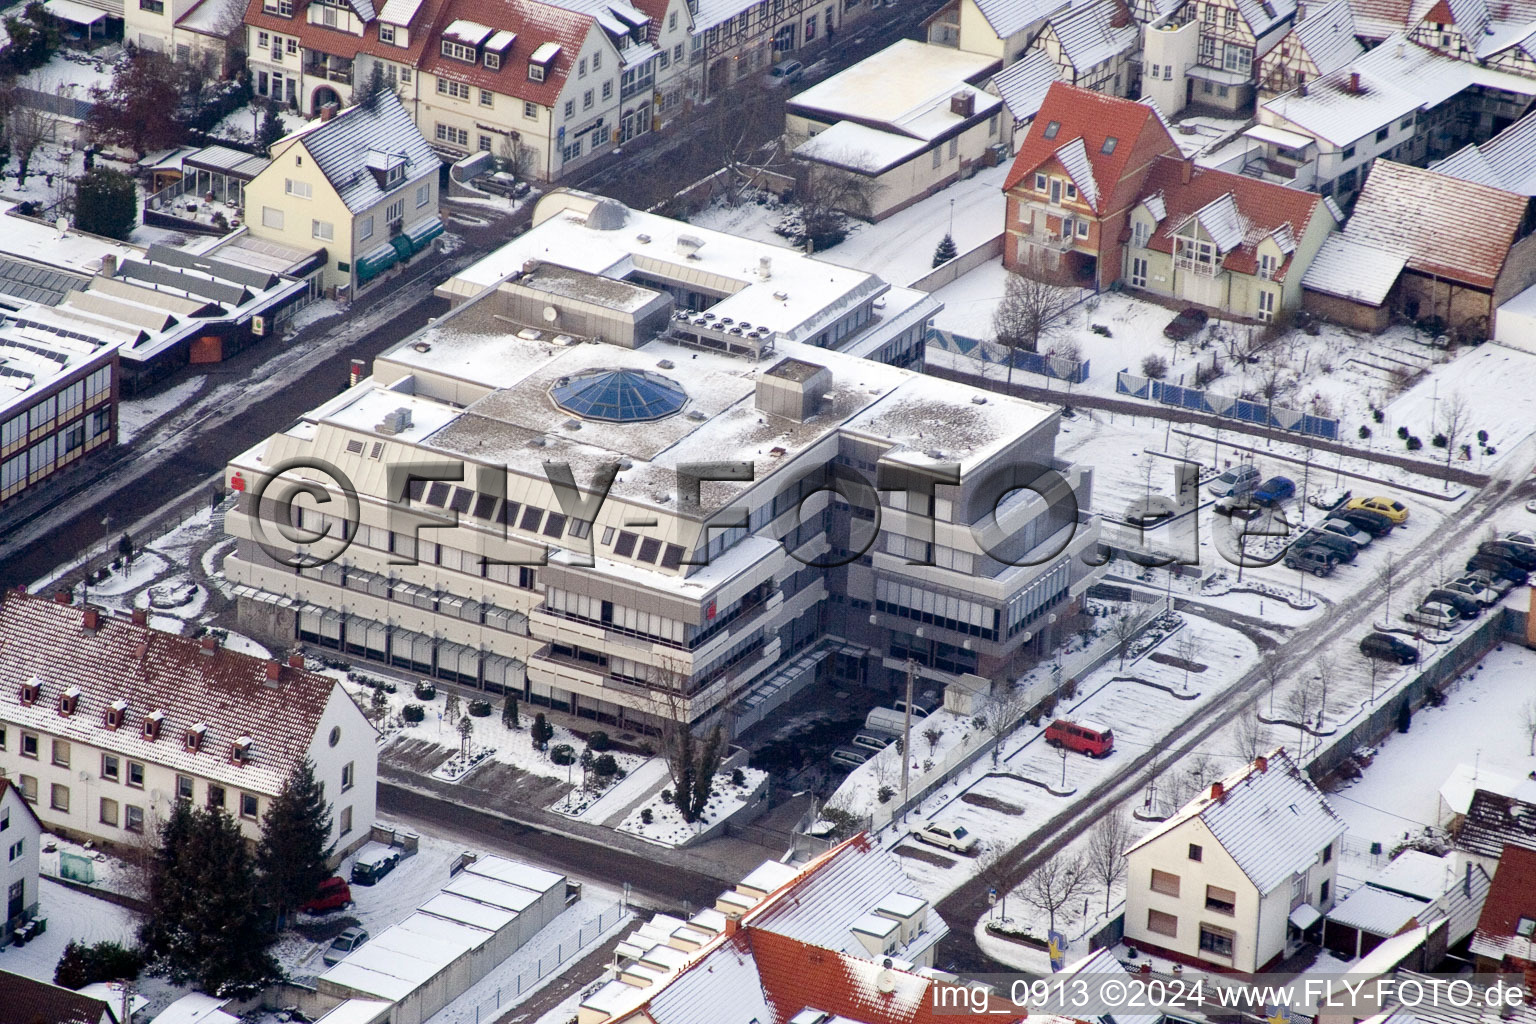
point(619, 396)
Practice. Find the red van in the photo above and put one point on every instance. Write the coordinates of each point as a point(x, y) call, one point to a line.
point(1089, 738)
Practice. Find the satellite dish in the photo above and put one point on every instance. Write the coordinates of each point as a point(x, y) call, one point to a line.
point(885, 981)
point(551, 314)
point(62, 224)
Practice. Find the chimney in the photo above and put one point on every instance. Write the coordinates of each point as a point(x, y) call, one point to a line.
point(208, 644)
point(140, 617)
point(1122, 16)
point(92, 620)
point(1466, 881)
point(327, 112)
point(1261, 763)
point(109, 265)
point(1186, 170)
point(732, 926)
point(274, 671)
point(1354, 81)
point(295, 661)
point(765, 267)
point(962, 104)
point(1218, 791)
point(61, 597)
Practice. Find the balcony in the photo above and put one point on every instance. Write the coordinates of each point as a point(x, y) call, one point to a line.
point(1192, 265)
point(1053, 243)
point(333, 69)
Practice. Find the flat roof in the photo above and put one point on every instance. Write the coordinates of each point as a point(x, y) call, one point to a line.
point(900, 87)
point(1280, 137)
point(488, 890)
point(459, 908)
point(875, 924)
point(766, 877)
point(33, 358)
point(353, 1011)
point(860, 148)
point(516, 873)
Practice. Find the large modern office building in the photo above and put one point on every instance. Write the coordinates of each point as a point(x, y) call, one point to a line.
point(785, 504)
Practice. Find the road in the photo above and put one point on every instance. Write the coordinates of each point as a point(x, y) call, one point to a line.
point(966, 905)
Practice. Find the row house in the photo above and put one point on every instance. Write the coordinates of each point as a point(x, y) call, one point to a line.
point(1320, 43)
point(1004, 29)
point(1499, 35)
point(1093, 46)
point(1210, 53)
point(105, 723)
point(738, 39)
point(201, 30)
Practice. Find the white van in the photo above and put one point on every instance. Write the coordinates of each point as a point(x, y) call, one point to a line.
point(888, 720)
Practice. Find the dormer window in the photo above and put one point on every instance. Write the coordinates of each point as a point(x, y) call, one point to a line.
point(242, 750)
point(492, 60)
point(193, 740)
point(387, 34)
point(541, 60)
point(458, 51)
point(152, 723)
point(29, 692)
point(535, 72)
point(69, 700)
point(117, 714)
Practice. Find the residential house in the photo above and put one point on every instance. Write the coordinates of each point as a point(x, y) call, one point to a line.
point(1400, 101)
point(910, 119)
point(1093, 46)
point(1499, 35)
point(1320, 42)
point(580, 608)
point(1506, 931)
point(1446, 894)
point(1398, 252)
point(1022, 87)
point(188, 30)
point(1462, 784)
point(1078, 172)
point(842, 938)
point(1494, 822)
point(21, 839)
point(1223, 240)
point(1506, 161)
point(1234, 38)
point(24, 1000)
point(1239, 874)
point(1001, 29)
point(1375, 20)
point(105, 722)
point(736, 40)
point(362, 183)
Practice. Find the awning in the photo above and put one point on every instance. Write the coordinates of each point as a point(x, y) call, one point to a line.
point(1305, 916)
point(74, 13)
point(376, 262)
point(422, 234)
point(402, 246)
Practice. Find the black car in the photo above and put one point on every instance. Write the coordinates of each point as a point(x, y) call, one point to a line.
point(1341, 546)
point(1388, 648)
point(1373, 523)
point(1519, 554)
point(1464, 605)
point(1183, 326)
point(1502, 568)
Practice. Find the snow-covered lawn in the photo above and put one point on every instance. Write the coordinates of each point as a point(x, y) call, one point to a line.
point(666, 825)
point(242, 125)
point(71, 914)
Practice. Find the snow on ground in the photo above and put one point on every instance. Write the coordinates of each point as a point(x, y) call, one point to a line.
point(134, 414)
point(611, 806)
point(107, 872)
point(667, 826)
point(71, 914)
point(243, 124)
point(753, 218)
point(313, 313)
point(74, 73)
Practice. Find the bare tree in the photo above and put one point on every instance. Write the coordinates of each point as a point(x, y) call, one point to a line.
point(1187, 646)
point(1124, 630)
point(1056, 884)
point(466, 734)
point(1528, 722)
point(1454, 416)
point(1386, 576)
point(1033, 309)
point(1107, 841)
point(1325, 676)
point(517, 157)
point(1008, 704)
point(1252, 738)
point(828, 195)
point(691, 761)
point(1299, 704)
point(26, 127)
point(1372, 669)
point(1272, 382)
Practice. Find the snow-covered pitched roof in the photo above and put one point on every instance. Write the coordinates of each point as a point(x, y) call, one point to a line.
point(1023, 85)
point(1507, 161)
point(1328, 36)
point(1376, 910)
point(1009, 16)
point(726, 987)
point(465, 31)
point(1089, 34)
point(1285, 238)
point(1263, 16)
point(1354, 270)
point(1272, 822)
point(1104, 961)
point(1156, 205)
point(1074, 158)
point(1221, 219)
point(1512, 897)
point(340, 148)
point(1496, 822)
point(1377, 19)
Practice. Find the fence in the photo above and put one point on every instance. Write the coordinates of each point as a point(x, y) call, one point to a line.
point(946, 273)
point(1058, 367)
point(1241, 409)
point(507, 995)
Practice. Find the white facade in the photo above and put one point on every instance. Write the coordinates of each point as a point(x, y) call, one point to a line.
point(21, 839)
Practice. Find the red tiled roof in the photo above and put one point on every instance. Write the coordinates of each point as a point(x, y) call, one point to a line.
point(1264, 208)
point(27, 1001)
point(1442, 225)
point(534, 23)
point(228, 692)
point(1093, 117)
point(344, 44)
point(1511, 897)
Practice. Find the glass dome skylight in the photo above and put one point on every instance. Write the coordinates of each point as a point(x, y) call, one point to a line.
point(619, 396)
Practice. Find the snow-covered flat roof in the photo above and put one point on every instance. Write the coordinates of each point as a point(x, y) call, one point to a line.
point(457, 908)
point(516, 873)
point(900, 85)
point(355, 1011)
point(875, 924)
point(33, 358)
point(1376, 910)
point(488, 890)
point(193, 1008)
point(860, 148)
point(1280, 137)
point(767, 877)
point(371, 981)
point(44, 243)
point(1420, 874)
point(901, 904)
point(369, 409)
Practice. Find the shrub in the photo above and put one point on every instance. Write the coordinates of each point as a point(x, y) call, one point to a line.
point(82, 965)
point(1414, 444)
point(1069, 689)
point(542, 732)
point(1154, 366)
point(885, 793)
point(480, 708)
point(413, 713)
point(106, 203)
point(1482, 437)
point(1048, 705)
point(1439, 441)
point(563, 753)
point(1378, 415)
point(425, 691)
point(738, 778)
point(646, 816)
point(599, 741)
point(1402, 433)
point(604, 766)
point(1491, 450)
point(1365, 432)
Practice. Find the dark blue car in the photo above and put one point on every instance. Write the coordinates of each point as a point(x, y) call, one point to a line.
point(1274, 490)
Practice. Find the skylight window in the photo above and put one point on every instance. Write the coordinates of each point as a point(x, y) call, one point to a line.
point(1524, 927)
point(1052, 128)
point(1109, 145)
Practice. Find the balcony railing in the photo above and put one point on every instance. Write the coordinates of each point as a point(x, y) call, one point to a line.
point(1055, 243)
point(1190, 265)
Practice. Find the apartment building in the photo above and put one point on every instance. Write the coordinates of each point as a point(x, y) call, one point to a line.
point(105, 722)
point(1238, 876)
point(633, 349)
point(362, 183)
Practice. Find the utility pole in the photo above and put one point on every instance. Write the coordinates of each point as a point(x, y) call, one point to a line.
point(906, 738)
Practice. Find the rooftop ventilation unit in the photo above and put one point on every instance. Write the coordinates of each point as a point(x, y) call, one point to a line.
point(397, 422)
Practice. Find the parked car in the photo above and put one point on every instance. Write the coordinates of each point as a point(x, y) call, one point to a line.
point(1345, 549)
point(1387, 647)
point(1520, 555)
point(1475, 588)
point(1435, 614)
point(1490, 579)
point(1186, 324)
point(1240, 479)
point(1150, 511)
point(1274, 490)
point(1319, 561)
point(334, 894)
point(1465, 606)
point(950, 837)
point(921, 708)
point(1373, 523)
point(786, 72)
point(1393, 510)
point(343, 944)
point(1085, 737)
point(1339, 528)
point(373, 862)
point(850, 757)
point(1525, 540)
point(871, 741)
point(1500, 568)
point(886, 720)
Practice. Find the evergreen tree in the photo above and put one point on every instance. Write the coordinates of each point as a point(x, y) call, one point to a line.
point(106, 203)
point(294, 853)
point(271, 128)
point(205, 924)
point(542, 731)
point(945, 252)
point(373, 86)
point(509, 713)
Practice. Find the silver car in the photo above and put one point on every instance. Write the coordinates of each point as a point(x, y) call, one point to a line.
point(1435, 615)
point(1339, 528)
point(344, 944)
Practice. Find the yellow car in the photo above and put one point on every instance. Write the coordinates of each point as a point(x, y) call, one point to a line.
point(1393, 510)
